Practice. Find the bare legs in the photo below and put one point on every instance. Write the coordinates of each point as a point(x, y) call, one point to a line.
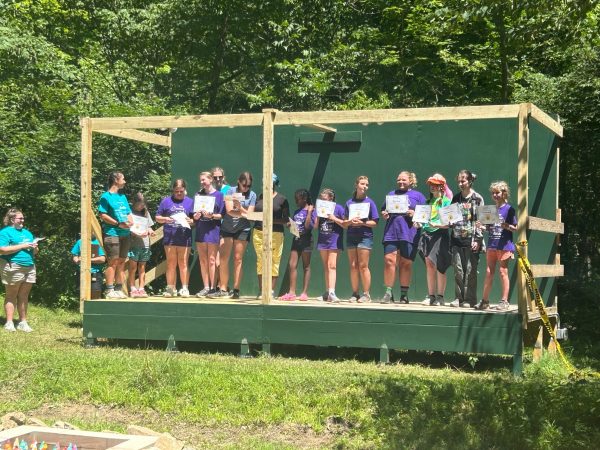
point(17, 294)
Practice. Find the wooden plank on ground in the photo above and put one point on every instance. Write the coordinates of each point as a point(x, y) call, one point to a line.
point(551, 226)
point(140, 136)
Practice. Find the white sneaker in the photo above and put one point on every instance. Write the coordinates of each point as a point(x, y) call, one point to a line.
point(121, 294)
point(184, 292)
point(112, 295)
point(332, 298)
point(24, 326)
point(9, 326)
point(203, 293)
point(170, 292)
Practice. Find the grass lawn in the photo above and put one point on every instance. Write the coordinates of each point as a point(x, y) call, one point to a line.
point(222, 401)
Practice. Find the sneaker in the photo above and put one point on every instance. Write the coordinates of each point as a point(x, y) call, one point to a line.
point(288, 297)
point(434, 301)
point(325, 296)
point(303, 297)
point(455, 303)
point(427, 301)
point(333, 298)
point(441, 300)
point(219, 294)
point(112, 295)
point(259, 296)
point(482, 305)
point(467, 305)
point(142, 293)
point(403, 299)
point(121, 294)
point(354, 297)
point(203, 293)
point(9, 326)
point(183, 292)
point(387, 298)
point(503, 305)
point(235, 294)
point(134, 292)
point(365, 298)
point(24, 326)
point(170, 292)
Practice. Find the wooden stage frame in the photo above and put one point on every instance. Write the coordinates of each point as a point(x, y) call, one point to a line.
point(133, 128)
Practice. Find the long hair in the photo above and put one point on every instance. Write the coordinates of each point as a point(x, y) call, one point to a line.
point(471, 177)
point(208, 175)
point(244, 178)
point(219, 169)
point(179, 182)
point(358, 180)
point(10, 215)
point(412, 178)
point(139, 198)
point(113, 177)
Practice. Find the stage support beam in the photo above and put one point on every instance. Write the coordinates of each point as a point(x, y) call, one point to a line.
point(522, 200)
point(267, 231)
point(85, 266)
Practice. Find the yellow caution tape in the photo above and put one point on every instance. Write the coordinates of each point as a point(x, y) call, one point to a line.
point(534, 292)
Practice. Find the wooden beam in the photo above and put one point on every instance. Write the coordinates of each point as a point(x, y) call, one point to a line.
point(96, 227)
point(398, 115)
point(140, 136)
point(522, 202)
point(158, 235)
point(551, 226)
point(324, 128)
point(85, 265)
point(547, 270)
point(155, 272)
point(199, 121)
point(547, 121)
point(267, 229)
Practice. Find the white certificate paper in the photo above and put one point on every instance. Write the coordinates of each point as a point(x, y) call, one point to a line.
point(140, 224)
point(180, 219)
point(422, 214)
point(204, 203)
point(294, 228)
point(358, 210)
point(488, 214)
point(325, 208)
point(396, 204)
point(449, 215)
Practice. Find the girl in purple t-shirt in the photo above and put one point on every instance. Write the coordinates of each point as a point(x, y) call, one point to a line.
point(500, 246)
point(177, 238)
point(330, 243)
point(208, 224)
point(361, 217)
point(305, 218)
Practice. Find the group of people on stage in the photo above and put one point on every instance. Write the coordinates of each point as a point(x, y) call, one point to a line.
point(225, 220)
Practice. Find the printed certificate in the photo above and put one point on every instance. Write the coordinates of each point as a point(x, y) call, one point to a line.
point(325, 208)
point(294, 228)
point(204, 203)
point(181, 219)
point(488, 214)
point(141, 224)
point(396, 204)
point(422, 214)
point(359, 210)
point(450, 214)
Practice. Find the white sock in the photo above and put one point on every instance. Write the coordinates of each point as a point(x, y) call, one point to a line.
point(184, 286)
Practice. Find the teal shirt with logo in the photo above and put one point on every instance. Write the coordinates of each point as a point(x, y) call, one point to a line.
point(12, 236)
point(117, 207)
point(76, 251)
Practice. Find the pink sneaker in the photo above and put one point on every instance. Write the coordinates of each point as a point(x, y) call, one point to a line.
point(134, 292)
point(141, 292)
point(303, 297)
point(288, 297)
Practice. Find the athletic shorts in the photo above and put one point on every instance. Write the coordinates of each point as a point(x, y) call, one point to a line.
point(140, 254)
point(406, 249)
point(116, 246)
point(358, 241)
point(302, 244)
point(13, 273)
point(277, 241)
point(242, 235)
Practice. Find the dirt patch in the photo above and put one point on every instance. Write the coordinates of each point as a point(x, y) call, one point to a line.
point(194, 435)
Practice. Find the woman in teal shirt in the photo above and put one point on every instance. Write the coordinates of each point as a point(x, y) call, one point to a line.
point(17, 250)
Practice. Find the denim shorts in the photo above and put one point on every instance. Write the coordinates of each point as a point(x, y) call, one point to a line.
point(407, 249)
point(359, 241)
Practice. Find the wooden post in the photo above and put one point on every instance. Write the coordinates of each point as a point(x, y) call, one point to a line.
point(85, 265)
point(267, 231)
point(522, 199)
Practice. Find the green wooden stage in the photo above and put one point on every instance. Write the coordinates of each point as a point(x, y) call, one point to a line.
point(248, 321)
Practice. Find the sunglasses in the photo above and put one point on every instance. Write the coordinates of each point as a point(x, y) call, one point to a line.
point(246, 185)
point(218, 178)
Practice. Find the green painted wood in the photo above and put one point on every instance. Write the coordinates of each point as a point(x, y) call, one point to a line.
point(175, 309)
point(330, 138)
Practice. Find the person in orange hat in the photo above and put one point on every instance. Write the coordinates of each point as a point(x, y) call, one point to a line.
point(434, 242)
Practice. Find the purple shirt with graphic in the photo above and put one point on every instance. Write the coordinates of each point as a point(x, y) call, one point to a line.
point(399, 227)
point(208, 230)
point(175, 234)
point(331, 235)
point(300, 218)
point(364, 231)
point(499, 238)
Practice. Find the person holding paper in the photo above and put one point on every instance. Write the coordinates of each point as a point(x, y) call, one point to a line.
point(305, 218)
point(17, 265)
point(434, 242)
point(140, 252)
point(235, 232)
point(281, 215)
point(500, 248)
point(98, 260)
point(116, 221)
point(208, 229)
point(466, 241)
point(400, 238)
point(330, 243)
point(175, 213)
point(361, 217)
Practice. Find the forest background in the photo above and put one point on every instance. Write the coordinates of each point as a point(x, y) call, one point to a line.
point(64, 59)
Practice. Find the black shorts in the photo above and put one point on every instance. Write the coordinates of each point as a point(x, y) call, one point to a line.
point(116, 246)
point(302, 244)
point(241, 235)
